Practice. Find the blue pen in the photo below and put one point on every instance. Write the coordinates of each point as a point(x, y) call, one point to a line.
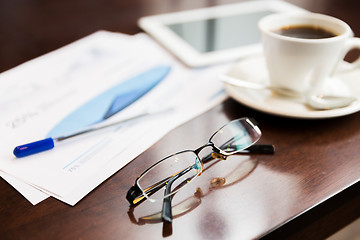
point(97, 110)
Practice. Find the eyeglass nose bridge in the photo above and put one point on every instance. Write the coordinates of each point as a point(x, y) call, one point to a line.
point(218, 156)
point(215, 154)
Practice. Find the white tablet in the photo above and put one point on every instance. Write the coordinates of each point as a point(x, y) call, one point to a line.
point(212, 35)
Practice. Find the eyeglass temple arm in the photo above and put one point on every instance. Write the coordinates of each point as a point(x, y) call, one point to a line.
point(166, 213)
point(260, 148)
point(254, 149)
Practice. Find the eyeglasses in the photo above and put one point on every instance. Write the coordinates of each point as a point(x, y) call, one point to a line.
point(178, 170)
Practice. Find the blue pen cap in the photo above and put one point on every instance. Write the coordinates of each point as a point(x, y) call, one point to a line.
point(34, 147)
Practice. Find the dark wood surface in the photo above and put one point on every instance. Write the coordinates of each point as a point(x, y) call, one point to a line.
point(307, 190)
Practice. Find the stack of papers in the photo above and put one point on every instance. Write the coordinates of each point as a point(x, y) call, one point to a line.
point(37, 95)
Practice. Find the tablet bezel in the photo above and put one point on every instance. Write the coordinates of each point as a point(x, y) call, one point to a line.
point(157, 27)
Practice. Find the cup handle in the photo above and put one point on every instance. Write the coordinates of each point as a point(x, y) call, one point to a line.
point(351, 43)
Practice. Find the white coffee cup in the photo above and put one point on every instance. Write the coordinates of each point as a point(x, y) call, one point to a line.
point(304, 65)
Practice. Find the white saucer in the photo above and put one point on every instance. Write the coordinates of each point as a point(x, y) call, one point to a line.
point(254, 69)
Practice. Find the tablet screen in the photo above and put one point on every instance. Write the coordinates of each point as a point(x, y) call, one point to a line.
point(222, 33)
point(206, 36)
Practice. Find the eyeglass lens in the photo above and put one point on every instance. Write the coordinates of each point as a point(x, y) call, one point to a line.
point(236, 136)
point(184, 165)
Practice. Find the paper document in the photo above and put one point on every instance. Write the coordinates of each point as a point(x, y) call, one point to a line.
point(37, 96)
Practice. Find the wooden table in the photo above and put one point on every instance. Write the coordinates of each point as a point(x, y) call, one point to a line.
point(307, 190)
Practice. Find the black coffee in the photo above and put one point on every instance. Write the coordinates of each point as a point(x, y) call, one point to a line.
point(305, 31)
